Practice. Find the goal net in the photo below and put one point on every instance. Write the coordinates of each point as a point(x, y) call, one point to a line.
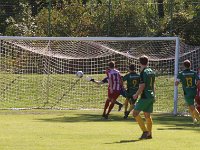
point(39, 72)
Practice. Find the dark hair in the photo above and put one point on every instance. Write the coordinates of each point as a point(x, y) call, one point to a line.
point(132, 67)
point(187, 63)
point(143, 60)
point(111, 64)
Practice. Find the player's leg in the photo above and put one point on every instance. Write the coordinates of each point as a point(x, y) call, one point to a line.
point(125, 107)
point(140, 121)
point(136, 114)
point(131, 106)
point(106, 106)
point(122, 93)
point(145, 105)
point(197, 100)
point(113, 97)
point(149, 124)
point(194, 112)
point(119, 104)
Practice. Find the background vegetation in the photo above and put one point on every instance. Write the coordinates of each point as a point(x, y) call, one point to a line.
point(101, 18)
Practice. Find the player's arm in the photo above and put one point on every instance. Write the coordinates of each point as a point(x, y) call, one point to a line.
point(97, 82)
point(139, 91)
point(141, 86)
point(177, 80)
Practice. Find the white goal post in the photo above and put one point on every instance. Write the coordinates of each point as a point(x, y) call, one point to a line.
point(30, 66)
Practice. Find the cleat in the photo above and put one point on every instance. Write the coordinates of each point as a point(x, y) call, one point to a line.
point(149, 136)
point(106, 117)
point(195, 122)
point(120, 107)
point(144, 135)
point(126, 113)
point(125, 117)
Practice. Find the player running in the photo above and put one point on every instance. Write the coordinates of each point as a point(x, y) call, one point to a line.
point(147, 99)
point(189, 80)
point(132, 79)
point(115, 84)
point(197, 98)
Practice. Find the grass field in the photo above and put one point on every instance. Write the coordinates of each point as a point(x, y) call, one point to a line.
point(83, 129)
point(54, 90)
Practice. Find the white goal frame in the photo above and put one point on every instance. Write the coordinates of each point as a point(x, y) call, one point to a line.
point(176, 39)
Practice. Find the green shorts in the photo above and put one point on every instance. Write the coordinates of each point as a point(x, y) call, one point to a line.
point(145, 105)
point(189, 101)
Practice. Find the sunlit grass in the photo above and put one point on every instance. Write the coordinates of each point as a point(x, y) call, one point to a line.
point(71, 130)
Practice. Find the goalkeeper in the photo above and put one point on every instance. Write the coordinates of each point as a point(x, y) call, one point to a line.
point(132, 79)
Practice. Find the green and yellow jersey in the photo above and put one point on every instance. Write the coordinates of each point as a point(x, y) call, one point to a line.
point(147, 76)
point(133, 80)
point(188, 78)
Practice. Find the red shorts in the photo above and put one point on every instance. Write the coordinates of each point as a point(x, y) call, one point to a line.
point(114, 95)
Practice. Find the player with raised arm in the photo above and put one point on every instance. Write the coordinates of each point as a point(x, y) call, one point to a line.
point(197, 98)
point(189, 80)
point(147, 99)
point(114, 87)
point(132, 79)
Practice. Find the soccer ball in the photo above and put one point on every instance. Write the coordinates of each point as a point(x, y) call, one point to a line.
point(79, 74)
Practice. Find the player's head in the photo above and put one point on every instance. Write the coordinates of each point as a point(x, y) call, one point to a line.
point(131, 67)
point(111, 65)
point(187, 64)
point(143, 60)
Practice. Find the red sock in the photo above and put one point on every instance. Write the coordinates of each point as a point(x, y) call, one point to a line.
point(106, 106)
point(110, 108)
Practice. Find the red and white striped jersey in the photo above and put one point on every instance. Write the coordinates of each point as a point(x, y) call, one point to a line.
point(114, 80)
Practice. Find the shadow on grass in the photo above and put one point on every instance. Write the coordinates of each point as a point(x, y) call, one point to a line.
point(124, 141)
point(85, 118)
point(169, 121)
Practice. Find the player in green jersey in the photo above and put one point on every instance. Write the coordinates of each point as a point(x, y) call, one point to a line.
point(189, 80)
point(146, 101)
point(132, 80)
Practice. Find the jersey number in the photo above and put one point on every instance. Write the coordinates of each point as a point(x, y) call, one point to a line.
point(134, 83)
point(188, 81)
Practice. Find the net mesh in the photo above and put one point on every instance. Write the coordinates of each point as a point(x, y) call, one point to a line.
point(41, 73)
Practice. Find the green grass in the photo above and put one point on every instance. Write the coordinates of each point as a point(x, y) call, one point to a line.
point(73, 130)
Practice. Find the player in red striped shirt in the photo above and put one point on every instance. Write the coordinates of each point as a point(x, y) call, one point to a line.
point(115, 85)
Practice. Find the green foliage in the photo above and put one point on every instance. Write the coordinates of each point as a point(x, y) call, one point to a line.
point(23, 24)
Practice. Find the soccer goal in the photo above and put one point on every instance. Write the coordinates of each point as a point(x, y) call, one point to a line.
point(40, 72)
